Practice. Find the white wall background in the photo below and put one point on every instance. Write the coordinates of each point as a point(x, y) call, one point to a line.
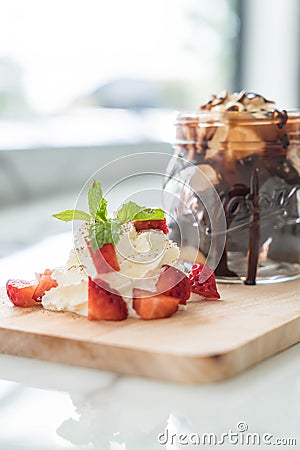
point(271, 50)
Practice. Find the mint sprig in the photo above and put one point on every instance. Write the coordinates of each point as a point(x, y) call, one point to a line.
point(128, 211)
point(94, 198)
point(101, 233)
point(103, 230)
point(72, 214)
point(150, 214)
point(101, 213)
point(133, 211)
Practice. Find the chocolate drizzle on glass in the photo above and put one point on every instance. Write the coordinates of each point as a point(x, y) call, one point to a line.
point(248, 149)
point(254, 230)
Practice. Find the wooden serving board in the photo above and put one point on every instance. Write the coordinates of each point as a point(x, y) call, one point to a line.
point(211, 341)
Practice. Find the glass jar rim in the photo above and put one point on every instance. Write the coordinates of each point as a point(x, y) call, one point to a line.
point(244, 117)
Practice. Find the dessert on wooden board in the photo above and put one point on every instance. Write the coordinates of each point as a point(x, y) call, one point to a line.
point(123, 266)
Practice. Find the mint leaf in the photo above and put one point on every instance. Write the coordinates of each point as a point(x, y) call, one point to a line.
point(101, 233)
point(72, 214)
point(94, 197)
point(129, 211)
point(132, 211)
point(101, 213)
point(150, 214)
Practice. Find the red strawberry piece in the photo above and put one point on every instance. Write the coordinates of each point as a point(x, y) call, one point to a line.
point(46, 282)
point(105, 303)
point(203, 282)
point(144, 225)
point(20, 292)
point(150, 306)
point(105, 259)
point(174, 283)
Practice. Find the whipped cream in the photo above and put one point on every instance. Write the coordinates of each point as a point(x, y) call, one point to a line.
point(71, 294)
point(80, 254)
point(140, 255)
point(238, 102)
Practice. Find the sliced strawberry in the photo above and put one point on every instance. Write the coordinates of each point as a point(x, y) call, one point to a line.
point(149, 306)
point(143, 225)
point(105, 259)
point(20, 292)
point(203, 282)
point(174, 283)
point(46, 282)
point(105, 303)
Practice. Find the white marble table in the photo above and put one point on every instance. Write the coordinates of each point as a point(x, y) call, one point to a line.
point(49, 406)
point(46, 406)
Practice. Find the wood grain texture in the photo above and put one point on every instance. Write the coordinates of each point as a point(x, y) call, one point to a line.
point(211, 341)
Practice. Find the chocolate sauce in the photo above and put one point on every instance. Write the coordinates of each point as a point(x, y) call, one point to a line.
point(254, 230)
point(222, 269)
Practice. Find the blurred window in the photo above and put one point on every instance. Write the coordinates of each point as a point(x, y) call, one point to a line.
point(61, 55)
point(269, 60)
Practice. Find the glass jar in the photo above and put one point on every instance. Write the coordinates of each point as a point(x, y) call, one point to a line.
point(252, 161)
